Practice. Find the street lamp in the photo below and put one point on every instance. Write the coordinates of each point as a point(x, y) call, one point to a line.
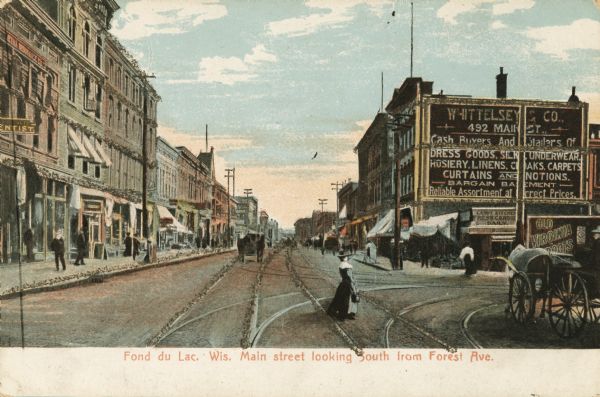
point(322, 203)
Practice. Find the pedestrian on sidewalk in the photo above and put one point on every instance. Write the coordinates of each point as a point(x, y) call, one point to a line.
point(424, 258)
point(28, 241)
point(345, 302)
point(81, 243)
point(128, 245)
point(136, 245)
point(467, 255)
point(58, 246)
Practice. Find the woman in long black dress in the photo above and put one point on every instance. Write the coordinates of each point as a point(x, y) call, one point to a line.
point(344, 304)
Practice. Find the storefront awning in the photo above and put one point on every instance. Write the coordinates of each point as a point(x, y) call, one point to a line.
point(430, 226)
point(343, 213)
point(91, 150)
point(384, 227)
point(362, 219)
point(164, 214)
point(76, 147)
point(102, 153)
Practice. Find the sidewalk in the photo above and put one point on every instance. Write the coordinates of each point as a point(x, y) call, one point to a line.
point(42, 276)
point(414, 268)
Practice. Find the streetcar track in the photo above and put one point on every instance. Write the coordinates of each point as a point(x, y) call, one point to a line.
point(408, 309)
point(464, 325)
point(251, 316)
point(177, 316)
point(341, 332)
point(377, 303)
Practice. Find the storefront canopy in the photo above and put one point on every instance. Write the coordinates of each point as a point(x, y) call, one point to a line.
point(430, 226)
point(385, 228)
point(76, 147)
point(165, 214)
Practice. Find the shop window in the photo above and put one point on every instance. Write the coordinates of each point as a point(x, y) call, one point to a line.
point(71, 162)
point(97, 172)
point(59, 189)
point(84, 167)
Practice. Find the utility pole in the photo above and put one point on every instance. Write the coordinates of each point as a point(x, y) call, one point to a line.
point(230, 174)
point(411, 38)
point(322, 203)
point(17, 209)
point(145, 78)
point(336, 186)
point(248, 193)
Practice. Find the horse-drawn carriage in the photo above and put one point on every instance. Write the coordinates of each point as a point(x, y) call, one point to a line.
point(251, 244)
point(569, 291)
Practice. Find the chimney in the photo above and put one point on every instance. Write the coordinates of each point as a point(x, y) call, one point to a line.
point(573, 98)
point(501, 84)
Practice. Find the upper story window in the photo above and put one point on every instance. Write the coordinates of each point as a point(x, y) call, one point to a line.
point(126, 85)
point(72, 23)
point(86, 39)
point(99, 52)
point(119, 110)
point(111, 109)
point(72, 82)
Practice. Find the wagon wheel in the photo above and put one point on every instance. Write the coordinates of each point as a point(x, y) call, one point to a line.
point(568, 305)
point(594, 310)
point(520, 298)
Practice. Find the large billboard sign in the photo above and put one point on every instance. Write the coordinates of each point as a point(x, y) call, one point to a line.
point(475, 150)
point(560, 234)
point(472, 170)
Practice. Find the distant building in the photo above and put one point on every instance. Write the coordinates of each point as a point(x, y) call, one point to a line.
point(247, 215)
point(594, 139)
point(303, 230)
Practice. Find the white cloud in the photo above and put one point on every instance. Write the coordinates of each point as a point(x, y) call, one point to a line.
point(230, 70)
point(557, 41)
point(139, 19)
point(593, 98)
point(497, 25)
point(453, 8)
point(511, 6)
point(336, 13)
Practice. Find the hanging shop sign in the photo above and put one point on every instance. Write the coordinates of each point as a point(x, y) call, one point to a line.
point(470, 170)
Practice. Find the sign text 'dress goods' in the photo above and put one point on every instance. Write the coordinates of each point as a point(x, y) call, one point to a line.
point(473, 171)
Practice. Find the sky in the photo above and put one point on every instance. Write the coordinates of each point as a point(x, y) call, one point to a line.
point(278, 81)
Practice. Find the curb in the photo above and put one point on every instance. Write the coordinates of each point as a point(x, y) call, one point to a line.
point(374, 265)
point(92, 278)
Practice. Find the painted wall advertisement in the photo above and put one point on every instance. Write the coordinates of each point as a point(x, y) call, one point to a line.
point(470, 152)
point(560, 234)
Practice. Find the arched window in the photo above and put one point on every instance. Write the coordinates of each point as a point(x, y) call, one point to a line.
point(86, 39)
point(99, 52)
point(72, 23)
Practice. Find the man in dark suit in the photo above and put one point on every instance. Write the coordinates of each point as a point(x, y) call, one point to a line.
point(58, 246)
point(128, 245)
point(28, 240)
point(80, 248)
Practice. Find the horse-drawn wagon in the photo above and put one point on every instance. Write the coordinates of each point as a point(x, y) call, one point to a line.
point(569, 291)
